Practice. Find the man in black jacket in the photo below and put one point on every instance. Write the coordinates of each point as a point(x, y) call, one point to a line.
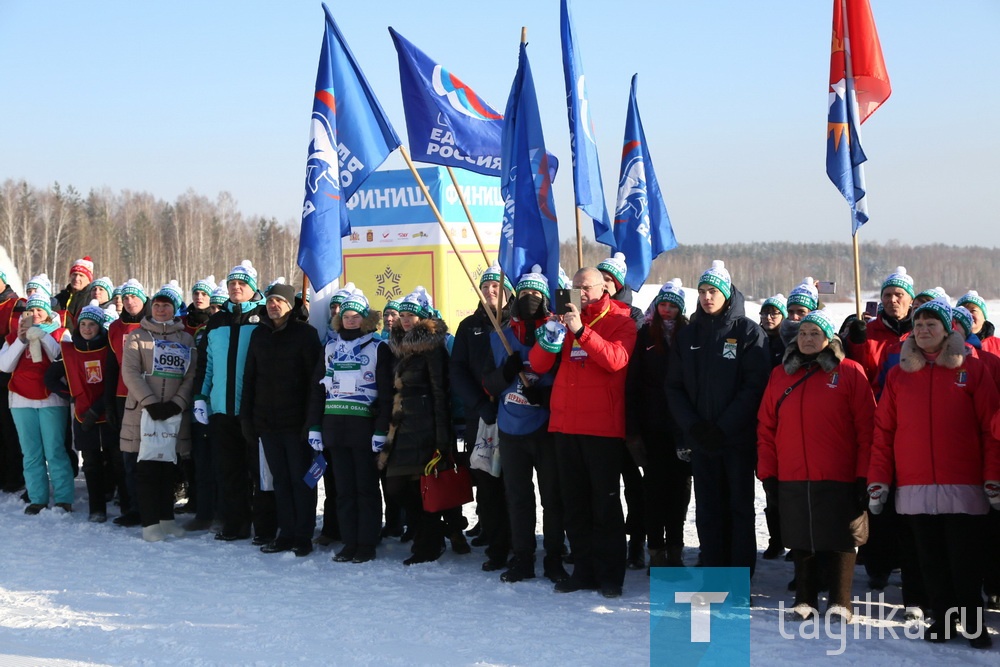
point(717, 374)
point(282, 356)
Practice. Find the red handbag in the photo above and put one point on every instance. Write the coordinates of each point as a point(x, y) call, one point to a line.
point(442, 488)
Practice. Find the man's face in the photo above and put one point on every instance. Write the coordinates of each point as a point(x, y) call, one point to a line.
point(896, 302)
point(711, 299)
point(239, 291)
point(591, 286)
point(200, 300)
point(491, 292)
point(389, 318)
point(277, 308)
point(609, 283)
point(797, 312)
point(77, 281)
point(132, 303)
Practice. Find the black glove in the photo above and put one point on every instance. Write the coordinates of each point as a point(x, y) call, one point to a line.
point(770, 485)
point(169, 409)
point(512, 366)
point(861, 494)
point(111, 416)
point(857, 332)
point(709, 436)
point(249, 433)
point(534, 394)
point(157, 411)
point(89, 419)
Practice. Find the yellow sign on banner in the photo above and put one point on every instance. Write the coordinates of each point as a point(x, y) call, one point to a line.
point(396, 243)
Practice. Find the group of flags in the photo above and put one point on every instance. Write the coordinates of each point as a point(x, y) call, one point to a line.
point(449, 124)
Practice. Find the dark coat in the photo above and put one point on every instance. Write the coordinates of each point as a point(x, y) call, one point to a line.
point(421, 412)
point(276, 379)
point(469, 354)
point(718, 370)
point(646, 409)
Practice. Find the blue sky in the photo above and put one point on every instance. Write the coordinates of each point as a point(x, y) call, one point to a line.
point(216, 96)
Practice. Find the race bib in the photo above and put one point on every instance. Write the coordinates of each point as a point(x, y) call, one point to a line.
point(170, 359)
point(577, 353)
point(347, 375)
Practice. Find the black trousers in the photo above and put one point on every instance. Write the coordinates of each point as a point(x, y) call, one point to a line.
point(11, 463)
point(724, 487)
point(590, 482)
point(429, 528)
point(950, 551)
point(635, 520)
point(93, 445)
point(991, 573)
point(207, 473)
point(155, 486)
point(667, 490)
point(520, 457)
point(289, 457)
point(331, 524)
point(245, 502)
point(124, 464)
point(352, 462)
point(491, 506)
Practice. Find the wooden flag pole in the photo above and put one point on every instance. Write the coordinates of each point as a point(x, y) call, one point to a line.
point(468, 214)
point(461, 260)
point(857, 273)
point(579, 242)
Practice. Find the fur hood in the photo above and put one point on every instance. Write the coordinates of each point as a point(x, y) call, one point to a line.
point(828, 358)
point(911, 359)
point(426, 335)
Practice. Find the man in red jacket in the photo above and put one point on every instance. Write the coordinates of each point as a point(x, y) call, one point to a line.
point(591, 345)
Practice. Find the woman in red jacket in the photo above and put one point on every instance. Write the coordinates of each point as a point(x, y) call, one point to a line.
point(932, 437)
point(814, 431)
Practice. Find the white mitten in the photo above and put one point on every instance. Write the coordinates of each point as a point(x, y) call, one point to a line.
point(992, 489)
point(201, 411)
point(35, 332)
point(378, 442)
point(316, 440)
point(878, 495)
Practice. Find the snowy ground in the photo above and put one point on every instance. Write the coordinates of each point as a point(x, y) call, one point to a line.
point(74, 593)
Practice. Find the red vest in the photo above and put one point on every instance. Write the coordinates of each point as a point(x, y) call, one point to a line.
point(8, 322)
point(28, 379)
point(12, 320)
point(116, 338)
point(85, 372)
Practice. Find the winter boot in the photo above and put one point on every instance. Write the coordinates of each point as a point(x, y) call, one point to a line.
point(153, 533)
point(521, 568)
point(807, 580)
point(675, 556)
point(553, 569)
point(636, 558)
point(657, 558)
point(170, 527)
point(840, 571)
point(458, 543)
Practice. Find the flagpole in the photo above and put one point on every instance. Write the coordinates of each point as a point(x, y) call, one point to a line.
point(305, 287)
point(468, 214)
point(461, 260)
point(579, 243)
point(852, 102)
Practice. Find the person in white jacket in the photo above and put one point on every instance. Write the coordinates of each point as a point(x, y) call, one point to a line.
point(39, 416)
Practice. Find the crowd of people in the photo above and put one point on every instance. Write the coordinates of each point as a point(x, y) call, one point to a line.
point(875, 439)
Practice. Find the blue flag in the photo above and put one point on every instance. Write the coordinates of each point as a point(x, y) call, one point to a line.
point(586, 167)
point(349, 138)
point(446, 121)
point(529, 233)
point(642, 225)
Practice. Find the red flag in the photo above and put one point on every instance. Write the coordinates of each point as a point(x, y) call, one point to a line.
point(871, 80)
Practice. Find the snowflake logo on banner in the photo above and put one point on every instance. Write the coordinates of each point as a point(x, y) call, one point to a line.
point(388, 284)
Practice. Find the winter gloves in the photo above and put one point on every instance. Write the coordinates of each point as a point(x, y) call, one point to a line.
point(89, 419)
point(378, 442)
point(201, 411)
point(878, 495)
point(550, 336)
point(857, 332)
point(316, 440)
point(512, 366)
point(709, 436)
point(161, 411)
point(35, 333)
point(992, 489)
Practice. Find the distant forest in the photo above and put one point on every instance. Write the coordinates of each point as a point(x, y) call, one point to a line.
point(135, 235)
point(761, 270)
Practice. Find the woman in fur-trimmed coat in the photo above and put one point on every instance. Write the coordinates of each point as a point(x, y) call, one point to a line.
point(933, 439)
point(814, 432)
point(421, 417)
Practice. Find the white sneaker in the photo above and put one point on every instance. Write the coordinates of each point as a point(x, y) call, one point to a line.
point(171, 528)
point(153, 533)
